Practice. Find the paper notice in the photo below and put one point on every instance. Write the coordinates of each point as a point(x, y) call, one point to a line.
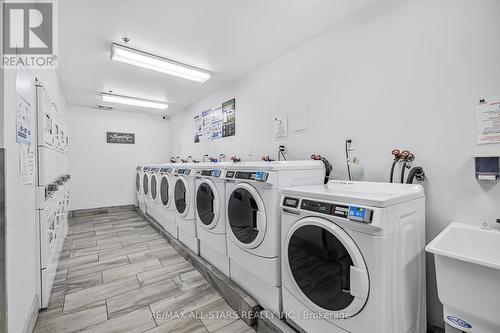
point(488, 120)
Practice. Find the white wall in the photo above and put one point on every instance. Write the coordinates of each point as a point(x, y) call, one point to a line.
point(402, 74)
point(103, 174)
point(22, 271)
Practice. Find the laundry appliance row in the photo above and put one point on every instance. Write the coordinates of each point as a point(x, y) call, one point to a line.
point(350, 251)
point(52, 188)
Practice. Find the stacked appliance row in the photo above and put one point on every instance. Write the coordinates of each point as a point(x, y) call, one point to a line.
point(52, 188)
point(298, 246)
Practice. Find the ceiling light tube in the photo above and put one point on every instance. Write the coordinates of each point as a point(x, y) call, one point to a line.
point(156, 63)
point(145, 103)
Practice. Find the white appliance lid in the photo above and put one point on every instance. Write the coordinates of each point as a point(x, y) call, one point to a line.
point(277, 165)
point(362, 193)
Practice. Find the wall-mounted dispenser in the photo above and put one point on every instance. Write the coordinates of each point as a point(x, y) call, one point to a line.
point(487, 166)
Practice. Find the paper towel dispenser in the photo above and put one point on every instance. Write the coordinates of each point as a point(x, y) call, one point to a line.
point(487, 166)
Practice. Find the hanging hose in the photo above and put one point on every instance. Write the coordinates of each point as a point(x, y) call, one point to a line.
point(403, 169)
point(416, 172)
point(392, 169)
point(397, 157)
point(347, 142)
point(328, 166)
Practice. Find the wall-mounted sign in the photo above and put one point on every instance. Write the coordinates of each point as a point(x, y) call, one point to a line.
point(116, 137)
point(216, 123)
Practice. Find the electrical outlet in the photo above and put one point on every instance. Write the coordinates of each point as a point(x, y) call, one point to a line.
point(350, 145)
point(282, 149)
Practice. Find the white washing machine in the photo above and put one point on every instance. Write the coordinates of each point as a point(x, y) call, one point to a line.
point(211, 214)
point(185, 206)
point(152, 193)
point(138, 188)
point(253, 222)
point(353, 257)
point(166, 198)
point(145, 187)
point(153, 208)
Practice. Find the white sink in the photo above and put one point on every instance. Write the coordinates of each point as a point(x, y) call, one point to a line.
point(468, 277)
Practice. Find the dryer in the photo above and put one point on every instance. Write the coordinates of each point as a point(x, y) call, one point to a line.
point(211, 214)
point(353, 257)
point(166, 198)
point(253, 222)
point(185, 207)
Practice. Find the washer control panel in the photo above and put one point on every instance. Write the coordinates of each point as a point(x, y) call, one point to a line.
point(211, 173)
point(353, 213)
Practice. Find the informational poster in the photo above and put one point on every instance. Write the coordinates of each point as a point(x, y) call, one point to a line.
point(229, 118)
point(488, 120)
point(24, 121)
point(280, 127)
point(26, 165)
point(215, 123)
point(198, 128)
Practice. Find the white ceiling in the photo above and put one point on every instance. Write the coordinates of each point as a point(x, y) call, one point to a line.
point(230, 38)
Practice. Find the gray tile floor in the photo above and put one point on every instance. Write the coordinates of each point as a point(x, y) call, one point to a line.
point(117, 274)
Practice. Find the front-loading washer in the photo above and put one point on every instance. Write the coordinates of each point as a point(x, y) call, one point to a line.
point(166, 198)
point(153, 207)
point(152, 193)
point(253, 222)
point(185, 207)
point(211, 214)
point(139, 173)
point(146, 169)
point(353, 257)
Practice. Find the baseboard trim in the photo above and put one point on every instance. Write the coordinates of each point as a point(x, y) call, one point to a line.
point(100, 210)
point(33, 316)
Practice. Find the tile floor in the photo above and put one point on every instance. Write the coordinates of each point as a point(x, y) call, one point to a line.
point(117, 274)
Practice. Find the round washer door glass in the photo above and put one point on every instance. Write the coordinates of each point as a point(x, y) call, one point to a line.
point(164, 186)
point(321, 267)
point(205, 203)
point(246, 214)
point(145, 186)
point(153, 187)
point(180, 196)
point(137, 182)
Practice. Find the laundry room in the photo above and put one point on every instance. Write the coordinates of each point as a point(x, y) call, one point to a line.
point(250, 166)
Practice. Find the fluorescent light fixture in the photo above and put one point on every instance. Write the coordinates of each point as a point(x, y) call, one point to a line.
point(145, 103)
point(156, 63)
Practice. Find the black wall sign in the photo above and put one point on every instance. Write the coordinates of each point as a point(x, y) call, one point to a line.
point(116, 137)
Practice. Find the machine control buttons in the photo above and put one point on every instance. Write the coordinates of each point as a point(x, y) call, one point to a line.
point(261, 176)
point(360, 214)
point(184, 171)
point(317, 206)
point(155, 169)
point(229, 174)
point(215, 173)
point(340, 211)
point(206, 172)
point(291, 202)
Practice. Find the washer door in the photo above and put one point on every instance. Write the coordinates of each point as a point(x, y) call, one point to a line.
point(154, 184)
point(165, 191)
point(138, 182)
point(246, 215)
point(145, 184)
point(327, 267)
point(207, 203)
point(181, 196)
